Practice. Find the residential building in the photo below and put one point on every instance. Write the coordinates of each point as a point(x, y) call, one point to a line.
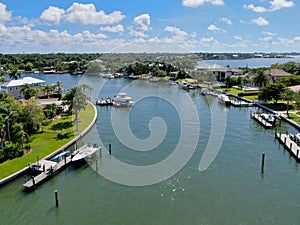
point(14, 87)
point(222, 73)
point(275, 74)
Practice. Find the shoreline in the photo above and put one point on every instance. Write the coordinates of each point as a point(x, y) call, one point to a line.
point(70, 143)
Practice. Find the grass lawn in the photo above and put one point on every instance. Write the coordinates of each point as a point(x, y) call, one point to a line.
point(294, 118)
point(235, 91)
point(52, 137)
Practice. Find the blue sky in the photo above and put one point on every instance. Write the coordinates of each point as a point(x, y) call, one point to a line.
point(43, 26)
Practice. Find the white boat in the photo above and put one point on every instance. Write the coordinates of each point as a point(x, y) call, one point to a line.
point(224, 99)
point(269, 118)
point(184, 85)
point(84, 153)
point(122, 100)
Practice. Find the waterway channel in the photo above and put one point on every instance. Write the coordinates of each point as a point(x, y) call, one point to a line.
point(230, 191)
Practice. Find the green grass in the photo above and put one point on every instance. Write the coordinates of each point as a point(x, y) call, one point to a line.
point(235, 91)
point(52, 137)
point(294, 118)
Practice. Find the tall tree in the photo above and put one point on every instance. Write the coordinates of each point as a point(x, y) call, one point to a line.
point(14, 73)
point(48, 89)
point(288, 95)
point(260, 79)
point(19, 135)
point(29, 91)
point(77, 100)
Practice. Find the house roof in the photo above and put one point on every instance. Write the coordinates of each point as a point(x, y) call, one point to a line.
point(225, 69)
point(21, 82)
point(295, 88)
point(276, 73)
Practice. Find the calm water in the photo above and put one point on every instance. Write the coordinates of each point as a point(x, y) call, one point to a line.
point(253, 62)
point(230, 191)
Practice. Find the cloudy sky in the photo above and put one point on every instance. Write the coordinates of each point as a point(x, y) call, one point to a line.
point(43, 26)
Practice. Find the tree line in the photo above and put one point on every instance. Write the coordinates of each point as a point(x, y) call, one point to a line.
point(19, 120)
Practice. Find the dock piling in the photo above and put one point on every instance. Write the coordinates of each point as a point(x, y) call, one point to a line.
point(262, 162)
point(56, 198)
point(33, 181)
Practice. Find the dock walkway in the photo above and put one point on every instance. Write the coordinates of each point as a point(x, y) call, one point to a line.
point(261, 121)
point(49, 169)
point(290, 143)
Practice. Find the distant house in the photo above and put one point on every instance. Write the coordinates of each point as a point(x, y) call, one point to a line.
point(14, 87)
point(295, 88)
point(275, 74)
point(222, 73)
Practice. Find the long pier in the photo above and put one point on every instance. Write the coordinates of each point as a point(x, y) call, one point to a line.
point(291, 143)
point(48, 168)
point(261, 121)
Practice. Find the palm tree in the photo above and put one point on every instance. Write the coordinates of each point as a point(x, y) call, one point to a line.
point(77, 100)
point(8, 116)
point(29, 91)
point(288, 95)
point(50, 110)
point(48, 89)
point(19, 134)
point(14, 73)
point(58, 87)
point(2, 131)
point(260, 79)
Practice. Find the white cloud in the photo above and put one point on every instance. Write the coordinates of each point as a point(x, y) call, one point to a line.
point(260, 21)
point(141, 25)
point(195, 3)
point(266, 39)
point(274, 6)
point(297, 38)
point(215, 28)
point(238, 37)
point(4, 14)
point(52, 14)
point(81, 13)
point(207, 39)
point(114, 29)
point(87, 14)
point(280, 4)
point(258, 9)
point(269, 33)
point(226, 20)
point(178, 34)
point(285, 41)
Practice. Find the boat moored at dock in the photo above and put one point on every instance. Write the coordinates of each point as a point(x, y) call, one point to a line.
point(224, 99)
point(84, 153)
point(122, 100)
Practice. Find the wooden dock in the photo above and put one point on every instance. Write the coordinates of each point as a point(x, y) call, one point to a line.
point(241, 103)
point(48, 168)
point(291, 143)
point(261, 121)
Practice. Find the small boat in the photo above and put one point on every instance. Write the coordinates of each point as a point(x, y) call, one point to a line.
point(184, 85)
point(60, 156)
point(269, 118)
point(84, 153)
point(109, 76)
point(122, 100)
point(224, 99)
point(105, 102)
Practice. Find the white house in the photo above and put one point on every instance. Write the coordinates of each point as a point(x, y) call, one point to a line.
point(14, 87)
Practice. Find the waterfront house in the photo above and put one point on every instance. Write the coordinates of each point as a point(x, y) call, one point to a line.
point(14, 87)
point(275, 74)
point(222, 73)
